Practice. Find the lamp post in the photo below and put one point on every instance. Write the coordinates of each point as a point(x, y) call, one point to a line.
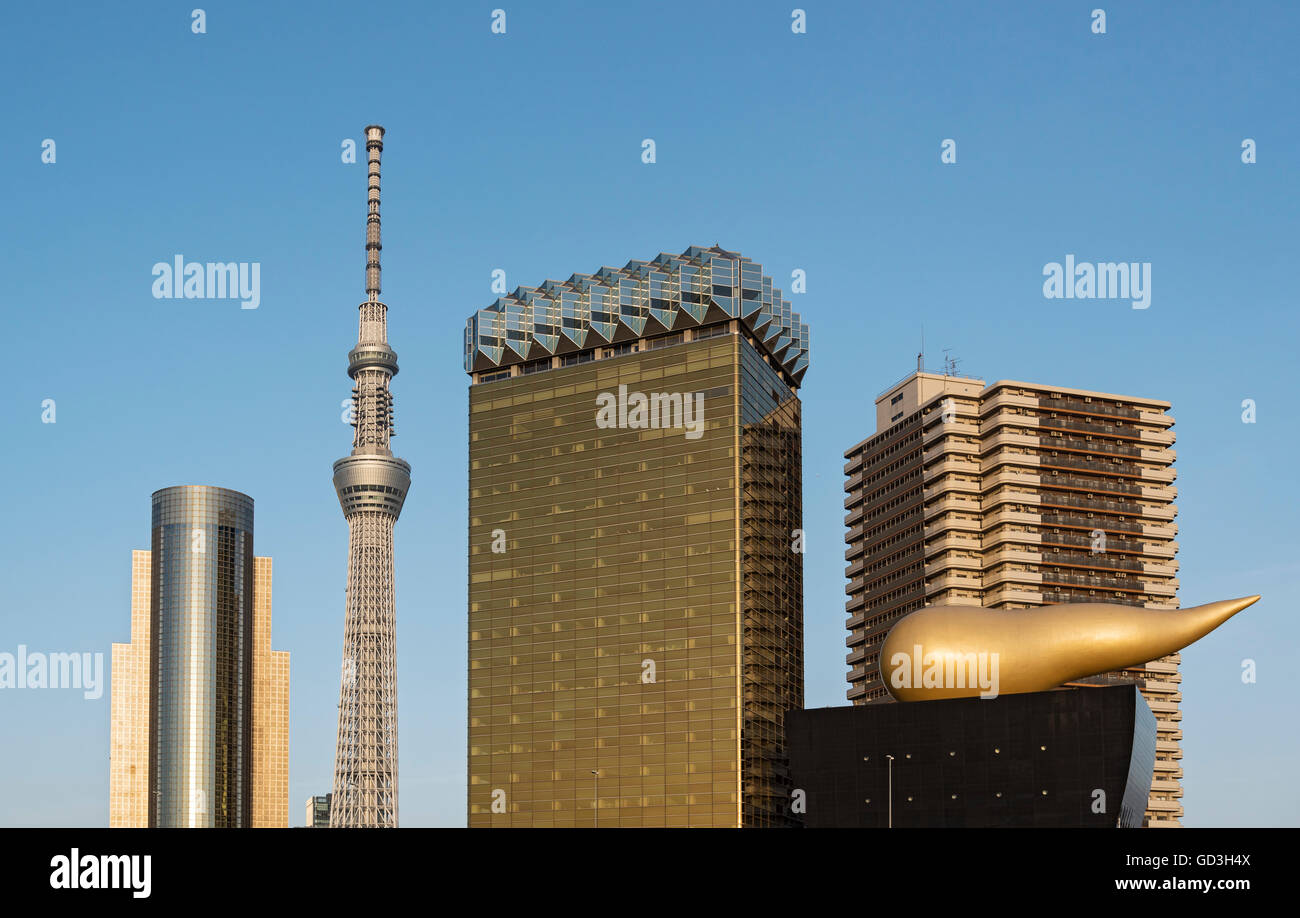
point(595, 798)
point(891, 790)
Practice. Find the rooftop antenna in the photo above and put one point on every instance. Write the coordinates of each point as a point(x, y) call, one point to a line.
point(949, 363)
point(920, 357)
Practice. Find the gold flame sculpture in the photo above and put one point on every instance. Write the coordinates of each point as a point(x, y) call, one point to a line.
point(964, 651)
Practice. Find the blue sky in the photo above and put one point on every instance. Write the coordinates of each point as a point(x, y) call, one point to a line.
point(522, 152)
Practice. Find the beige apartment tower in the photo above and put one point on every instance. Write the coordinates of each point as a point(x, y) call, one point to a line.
point(199, 735)
point(1010, 496)
point(635, 566)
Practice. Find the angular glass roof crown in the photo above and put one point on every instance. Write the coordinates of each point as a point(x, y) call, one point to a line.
point(641, 299)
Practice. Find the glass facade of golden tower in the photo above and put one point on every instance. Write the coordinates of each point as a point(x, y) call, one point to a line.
point(200, 701)
point(635, 577)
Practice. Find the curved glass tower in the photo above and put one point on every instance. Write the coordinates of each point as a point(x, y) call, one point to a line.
point(371, 485)
point(200, 774)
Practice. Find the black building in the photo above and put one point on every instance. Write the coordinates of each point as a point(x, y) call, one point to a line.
point(1070, 757)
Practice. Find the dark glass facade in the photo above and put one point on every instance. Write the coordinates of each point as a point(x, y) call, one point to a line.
point(318, 811)
point(201, 620)
point(1073, 757)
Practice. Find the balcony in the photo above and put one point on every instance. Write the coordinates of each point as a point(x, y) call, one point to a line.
point(1027, 539)
point(952, 582)
point(1004, 399)
point(959, 541)
point(957, 427)
point(1096, 485)
point(1078, 406)
point(1101, 562)
point(1122, 584)
point(1088, 523)
point(1060, 499)
point(1004, 515)
point(953, 562)
point(1102, 429)
point(1163, 474)
point(950, 486)
point(1003, 438)
point(1013, 592)
point(1162, 688)
point(1008, 476)
point(950, 463)
point(1013, 554)
point(1113, 544)
point(1157, 569)
point(958, 447)
point(1163, 437)
point(951, 504)
point(1091, 446)
point(1069, 461)
point(1020, 578)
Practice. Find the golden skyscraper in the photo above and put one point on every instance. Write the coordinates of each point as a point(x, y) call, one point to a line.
point(1015, 495)
point(199, 734)
point(635, 594)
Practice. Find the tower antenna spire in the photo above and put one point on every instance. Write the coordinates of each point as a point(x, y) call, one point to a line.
point(374, 148)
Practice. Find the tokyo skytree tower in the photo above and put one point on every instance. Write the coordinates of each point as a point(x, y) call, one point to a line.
point(371, 484)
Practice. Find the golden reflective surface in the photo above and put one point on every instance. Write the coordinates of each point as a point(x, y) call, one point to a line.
point(619, 675)
point(934, 652)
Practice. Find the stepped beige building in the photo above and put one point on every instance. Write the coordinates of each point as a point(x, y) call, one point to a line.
point(270, 711)
point(1015, 495)
point(128, 794)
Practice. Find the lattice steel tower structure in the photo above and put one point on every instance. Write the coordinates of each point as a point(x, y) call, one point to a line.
point(371, 484)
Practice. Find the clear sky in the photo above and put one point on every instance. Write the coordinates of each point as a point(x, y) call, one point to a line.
point(522, 151)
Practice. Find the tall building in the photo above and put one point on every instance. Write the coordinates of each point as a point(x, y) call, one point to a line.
point(635, 575)
point(1014, 495)
point(371, 485)
point(318, 811)
point(200, 702)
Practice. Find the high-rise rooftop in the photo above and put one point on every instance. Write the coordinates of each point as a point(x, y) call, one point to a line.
point(643, 299)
